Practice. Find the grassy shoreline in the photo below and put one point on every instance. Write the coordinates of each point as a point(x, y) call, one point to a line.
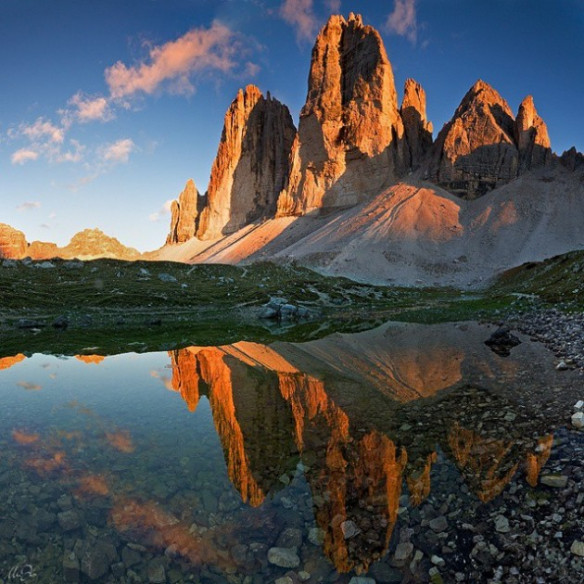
point(109, 306)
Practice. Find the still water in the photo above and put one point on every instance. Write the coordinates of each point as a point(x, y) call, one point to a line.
point(408, 453)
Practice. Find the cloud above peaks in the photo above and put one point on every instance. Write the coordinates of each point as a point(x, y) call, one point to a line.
point(300, 15)
point(118, 152)
point(162, 212)
point(175, 63)
point(403, 20)
point(28, 206)
point(89, 109)
point(23, 156)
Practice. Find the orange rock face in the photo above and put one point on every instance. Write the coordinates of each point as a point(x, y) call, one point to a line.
point(531, 136)
point(351, 139)
point(251, 166)
point(12, 243)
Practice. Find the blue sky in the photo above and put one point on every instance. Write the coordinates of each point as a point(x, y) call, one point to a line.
point(108, 107)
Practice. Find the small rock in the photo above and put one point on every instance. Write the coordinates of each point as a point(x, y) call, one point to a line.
point(284, 580)
point(69, 520)
point(502, 524)
point(349, 529)
point(578, 420)
point(156, 572)
point(578, 548)
point(554, 480)
point(70, 567)
point(283, 557)
point(303, 575)
point(316, 536)
point(290, 538)
point(437, 561)
point(439, 524)
point(403, 551)
point(561, 366)
point(166, 277)
point(45, 265)
point(579, 405)
point(61, 322)
point(361, 580)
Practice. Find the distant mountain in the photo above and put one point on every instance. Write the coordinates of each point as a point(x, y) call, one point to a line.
point(86, 245)
point(353, 147)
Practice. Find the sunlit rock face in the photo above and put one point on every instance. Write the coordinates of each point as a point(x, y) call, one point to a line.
point(484, 146)
point(183, 215)
point(251, 166)
point(351, 139)
point(7, 362)
point(12, 242)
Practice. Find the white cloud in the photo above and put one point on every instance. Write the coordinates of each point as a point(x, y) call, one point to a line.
point(28, 206)
point(43, 130)
point(403, 20)
point(118, 152)
point(213, 49)
point(300, 15)
point(162, 212)
point(89, 109)
point(23, 155)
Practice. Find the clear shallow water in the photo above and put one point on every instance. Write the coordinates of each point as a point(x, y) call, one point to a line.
point(355, 454)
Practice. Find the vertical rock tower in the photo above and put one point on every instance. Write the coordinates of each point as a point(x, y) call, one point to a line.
point(351, 136)
point(251, 166)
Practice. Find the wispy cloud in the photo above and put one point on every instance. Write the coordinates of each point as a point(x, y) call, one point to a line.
point(43, 130)
point(24, 155)
point(300, 15)
point(28, 206)
point(403, 20)
point(334, 6)
point(90, 109)
point(162, 212)
point(175, 62)
point(118, 152)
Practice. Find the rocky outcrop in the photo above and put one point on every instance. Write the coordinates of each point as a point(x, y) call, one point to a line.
point(418, 129)
point(87, 244)
point(531, 137)
point(572, 159)
point(351, 139)
point(251, 166)
point(484, 146)
point(184, 212)
point(12, 242)
point(476, 151)
point(94, 243)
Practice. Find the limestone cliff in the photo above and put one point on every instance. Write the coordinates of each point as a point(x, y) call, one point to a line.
point(476, 151)
point(86, 245)
point(531, 136)
point(12, 242)
point(417, 128)
point(251, 166)
point(351, 139)
point(184, 212)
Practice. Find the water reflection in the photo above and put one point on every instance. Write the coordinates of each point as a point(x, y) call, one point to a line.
point(331, 438)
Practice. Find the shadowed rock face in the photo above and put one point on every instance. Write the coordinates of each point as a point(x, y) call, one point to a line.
point(184, 214)
point(251, 166)
point(418, 129)
point(351, 136)
point(531, 136)
point(483, 146)
point(12, 242)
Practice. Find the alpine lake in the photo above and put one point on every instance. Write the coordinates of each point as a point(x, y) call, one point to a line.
point(402, 453)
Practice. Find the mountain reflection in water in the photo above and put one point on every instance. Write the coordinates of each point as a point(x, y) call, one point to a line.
point(360, 420)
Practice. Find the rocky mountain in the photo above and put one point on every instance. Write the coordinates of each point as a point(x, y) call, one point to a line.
point(351, 137)
point(363, 190)
point(183, 214)
point(13, 243)
point(251, 166)
point(484, 146)
point(86, 245)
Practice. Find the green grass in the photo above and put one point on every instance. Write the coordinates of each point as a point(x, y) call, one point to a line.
point(556, 281)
